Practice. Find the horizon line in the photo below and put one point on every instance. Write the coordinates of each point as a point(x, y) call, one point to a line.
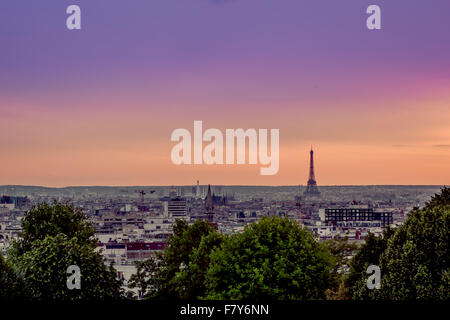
point(224, 185)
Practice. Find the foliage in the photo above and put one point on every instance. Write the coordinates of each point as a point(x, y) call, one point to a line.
point(54, 237)
point(341, 249)
point(272, 259)
point(44, 268)
point(12, 285)
point(440, 199)
point(414, 260)
point(50, 220)
point(416, 263)
point(193, 277)
point(368, 254)
point(179, 272)
point(146, 276)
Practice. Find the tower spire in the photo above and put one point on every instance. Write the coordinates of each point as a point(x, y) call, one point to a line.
point(311, 188)
point(209, 205)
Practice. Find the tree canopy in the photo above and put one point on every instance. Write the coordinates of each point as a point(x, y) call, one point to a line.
point(414, 260)
point(271, 259)
point(341, 249)
point(45, 220)
point(12, 285)
point(53, 238)
point(179, 272)
point(368, 254)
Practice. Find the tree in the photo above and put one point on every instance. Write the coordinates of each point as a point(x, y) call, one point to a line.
point(368, 254)
point(193, 277)
point(341, 249)
point(440, 199)
point(53, 238)
point(414, 260)
point(416, 263)
point(146, 278)
point(12, 286)
point(271, 259)
point(179, 272)
point(50, 220)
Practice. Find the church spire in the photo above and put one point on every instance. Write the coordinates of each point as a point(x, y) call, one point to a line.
point(209, 205)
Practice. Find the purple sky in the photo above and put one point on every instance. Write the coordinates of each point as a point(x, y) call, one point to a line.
point(139, 69)
point(153, 41)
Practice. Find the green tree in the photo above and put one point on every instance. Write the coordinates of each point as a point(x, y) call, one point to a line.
point(54, 237)
point(368, 254)
point(341, 249)
point(179, 271)
point(440, 199)
point(12, 286)
point(414, 260)
point(50, 220)
point(146, 278)
point(271, 259)
point(44, 268)
point(193, 277)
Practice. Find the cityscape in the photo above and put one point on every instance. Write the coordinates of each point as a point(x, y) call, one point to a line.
point(134, 223)
point(219, 158)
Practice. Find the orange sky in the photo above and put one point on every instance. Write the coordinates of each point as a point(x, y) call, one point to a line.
point(399, 142)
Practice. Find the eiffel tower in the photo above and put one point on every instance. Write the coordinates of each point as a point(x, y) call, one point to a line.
point(311, 188)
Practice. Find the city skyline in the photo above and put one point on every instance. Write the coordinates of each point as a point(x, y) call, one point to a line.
point(97, 106)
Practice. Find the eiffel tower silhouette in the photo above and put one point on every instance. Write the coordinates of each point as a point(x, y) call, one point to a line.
point(311, 188)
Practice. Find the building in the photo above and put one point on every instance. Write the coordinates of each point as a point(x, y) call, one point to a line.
point(357, 217)
point(173, 192)
point(115, 252)
point(15, 202)
point(137, 251)
point(176, 207)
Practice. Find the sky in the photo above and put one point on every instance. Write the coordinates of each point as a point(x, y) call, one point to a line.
point(97, 106)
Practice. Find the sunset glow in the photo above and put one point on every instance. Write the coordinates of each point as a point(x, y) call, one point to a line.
point(97, 107)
